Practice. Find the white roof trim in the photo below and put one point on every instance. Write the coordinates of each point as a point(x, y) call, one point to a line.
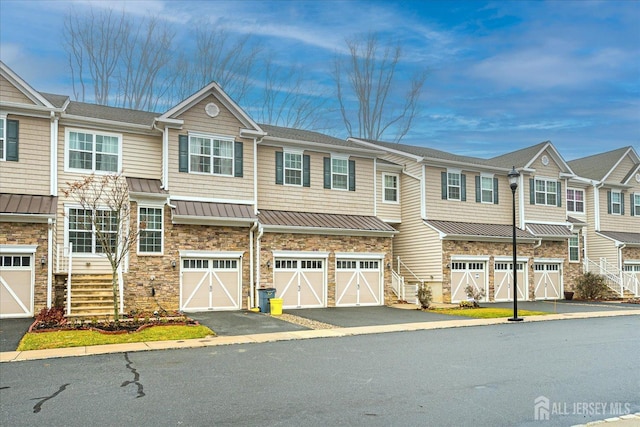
point(18, 249)
point(557, 157)
point(388, 150)
point(211, 254)
point(24, 87)
point(300, 254)
point(359, 255)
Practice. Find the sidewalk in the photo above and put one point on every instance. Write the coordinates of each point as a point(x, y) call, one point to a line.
point(455, 322)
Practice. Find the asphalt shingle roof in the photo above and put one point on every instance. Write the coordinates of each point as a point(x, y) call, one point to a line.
point(56, 100)
point(305, 135)
point(597, 166)
point(114, 114)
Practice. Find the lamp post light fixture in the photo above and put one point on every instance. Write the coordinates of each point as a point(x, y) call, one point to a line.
point(513, 183)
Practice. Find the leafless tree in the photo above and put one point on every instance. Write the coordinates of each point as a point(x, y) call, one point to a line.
point(367, 90)
point(288, 99)
point(106, 198)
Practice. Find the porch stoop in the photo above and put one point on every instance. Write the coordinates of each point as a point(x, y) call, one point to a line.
point(91, 296)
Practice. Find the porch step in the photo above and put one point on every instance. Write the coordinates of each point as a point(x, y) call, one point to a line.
point(91, 296)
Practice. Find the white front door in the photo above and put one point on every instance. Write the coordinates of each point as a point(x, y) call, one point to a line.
point(210, 284)
point(359, 282)
point(300, 282)
point(16, 285)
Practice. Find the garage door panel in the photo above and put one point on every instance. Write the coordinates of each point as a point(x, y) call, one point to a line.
point(16, 286)
point(300, 282)
point(195, 290)
point(286, 285)
point(210, 284)
point(465, 274)
point(358, 282)
point(503, 282)
point(314, 282)
point(224, 289)
point(548, 281)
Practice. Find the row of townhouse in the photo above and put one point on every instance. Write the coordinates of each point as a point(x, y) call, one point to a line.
point(231, 207)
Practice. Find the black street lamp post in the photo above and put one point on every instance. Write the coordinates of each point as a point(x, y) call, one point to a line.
point(513, 183)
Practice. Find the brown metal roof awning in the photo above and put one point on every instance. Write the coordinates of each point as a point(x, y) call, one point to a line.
point(622, 237)
point(209, 213)
point(550, 231)
point(480, 231)
point(307, 222)
point(145, 185)
point(27, 205)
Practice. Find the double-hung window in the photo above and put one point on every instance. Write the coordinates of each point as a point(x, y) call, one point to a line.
point(292, 168)
point(339, 173)
point(574, 248)
point(546, 192)
point(575, 200)
point(615, 204)
point(635, 206)
point(3, 137)
point(211, 155)
point(390, 188)
point(150, 228)
point(83, 227)
point(93, 151)
point(486, 189)
point(453, 185)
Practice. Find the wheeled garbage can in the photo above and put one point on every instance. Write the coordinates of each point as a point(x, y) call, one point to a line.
point(264, 295)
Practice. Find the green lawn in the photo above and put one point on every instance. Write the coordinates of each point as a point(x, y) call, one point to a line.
point(62, 339)
point(486, 312)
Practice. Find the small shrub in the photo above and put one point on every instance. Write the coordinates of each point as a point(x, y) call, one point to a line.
point(591, 286)
point(468, 304)
point(424, 296)
point(51, 316)
point(474, 295)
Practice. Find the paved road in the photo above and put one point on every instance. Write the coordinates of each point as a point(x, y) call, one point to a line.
point(478, 376)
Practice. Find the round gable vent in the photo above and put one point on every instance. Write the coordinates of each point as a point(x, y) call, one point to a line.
point(212, 109)
point(545, 160)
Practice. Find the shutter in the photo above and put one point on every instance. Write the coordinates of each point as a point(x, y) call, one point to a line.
point(279, 168)
point(632, 205)
point(478, 190)
point(608, 202)
point(238, 158)
point(306, 171)
point(12, 141)
point(352, 175)
point(532, 191)
point(559, 195)
point(463, 187)
point(495, 191)
point(621, 204)
point(183, 153)
point(443, 182)
point(327, 172)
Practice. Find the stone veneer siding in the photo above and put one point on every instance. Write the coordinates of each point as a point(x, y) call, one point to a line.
point(631, 253)
point(325, 243)
point(548, 249)
point(178, 237)
point(24, 233)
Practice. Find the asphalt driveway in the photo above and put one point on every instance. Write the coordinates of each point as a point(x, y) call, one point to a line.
point(227, 323)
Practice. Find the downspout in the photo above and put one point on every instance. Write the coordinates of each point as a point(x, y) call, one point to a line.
point(260, 233)
point(375, 187)
point(53, 174)
point(165, 155)
point(521, 204)
point(255, 176)
point(251, 266)
point(49, 260)
point(596, 205)
point(537, 245)
point(423, 202)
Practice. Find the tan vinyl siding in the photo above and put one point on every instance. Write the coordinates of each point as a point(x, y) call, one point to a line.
point(542, 212)
point(600, 247)
point(470, 210)
point(316, 198)
point(142, 156)
point(622, 170)
point(388, 211)
point(626, 222)
point(9, 93)
point(31, 173)
point(409, 164)
point(418, 247)
point(210, 186)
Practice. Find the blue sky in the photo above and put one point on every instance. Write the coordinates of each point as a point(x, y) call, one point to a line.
point(502, 75)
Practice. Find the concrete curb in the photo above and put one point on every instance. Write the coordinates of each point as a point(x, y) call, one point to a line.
point(17, 356)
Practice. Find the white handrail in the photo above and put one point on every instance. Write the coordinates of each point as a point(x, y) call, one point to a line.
point(402, 264)
point(616, 279)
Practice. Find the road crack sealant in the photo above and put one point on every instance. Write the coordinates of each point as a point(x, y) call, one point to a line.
point(136, 377)
point(38, 407)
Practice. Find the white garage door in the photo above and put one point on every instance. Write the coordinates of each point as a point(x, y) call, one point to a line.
point(210, 284)
point(503, 281)
point(548, 280)
point(467, 273)
point(300, 282)
point(358, 282)
point(632, 277)
point(16, 285)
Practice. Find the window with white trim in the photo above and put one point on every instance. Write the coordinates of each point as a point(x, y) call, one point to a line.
point(82, 230)
point(636, 204)
point(486, 189)
point(3, 136)
point(574, 248)
point(210, 155)
point(93, 151)
point(292, 168)
point(339, 173)
point(453, 185)
point(575, 200)
point(150, 228)
point(546, 192)
point(616, 202)
point(390, 188)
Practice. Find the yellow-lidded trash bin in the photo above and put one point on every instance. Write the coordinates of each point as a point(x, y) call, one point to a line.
point(276, 306)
